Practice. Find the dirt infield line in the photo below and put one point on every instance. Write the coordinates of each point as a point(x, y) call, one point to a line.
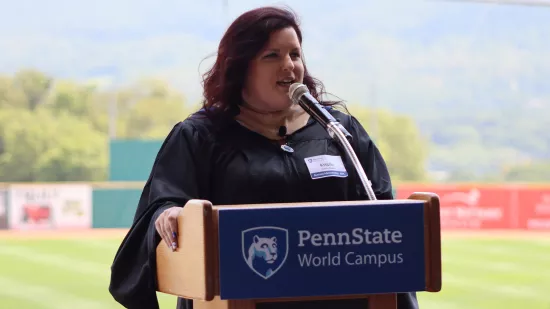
point(120, 233)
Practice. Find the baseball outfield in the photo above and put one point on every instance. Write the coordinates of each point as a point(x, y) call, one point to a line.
point(70, 269)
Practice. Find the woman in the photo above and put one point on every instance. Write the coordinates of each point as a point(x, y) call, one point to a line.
point(247, 145)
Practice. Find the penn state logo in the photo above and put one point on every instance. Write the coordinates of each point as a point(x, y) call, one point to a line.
point(265, 249)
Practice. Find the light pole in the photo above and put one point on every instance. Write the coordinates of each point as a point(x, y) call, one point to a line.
point(225, 6)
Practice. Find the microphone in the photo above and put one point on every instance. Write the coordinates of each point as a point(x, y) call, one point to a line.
point(299, 94)
point(282, 131)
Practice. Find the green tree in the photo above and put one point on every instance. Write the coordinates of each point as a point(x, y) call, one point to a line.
point(33, 86)
point(537, 171)
point(399, 140)
point(151, 110)
point(58, 130)
point(40, 146)
point(80, 100)
point(9, 95)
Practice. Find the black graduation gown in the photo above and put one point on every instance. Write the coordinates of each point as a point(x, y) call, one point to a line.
point(229, 164)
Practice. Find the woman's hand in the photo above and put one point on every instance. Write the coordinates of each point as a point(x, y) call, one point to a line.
point(167, 226)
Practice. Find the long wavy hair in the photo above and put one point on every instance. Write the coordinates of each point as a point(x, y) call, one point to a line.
point(242, 41)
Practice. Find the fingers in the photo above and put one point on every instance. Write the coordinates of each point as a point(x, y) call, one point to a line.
point(161, 229)
point(167, 227)
point(172, 226)
point(168, 233)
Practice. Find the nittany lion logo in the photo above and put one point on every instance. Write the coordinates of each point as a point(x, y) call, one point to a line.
point(265, 249)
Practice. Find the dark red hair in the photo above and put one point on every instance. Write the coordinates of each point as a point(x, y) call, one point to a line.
point(242, 41)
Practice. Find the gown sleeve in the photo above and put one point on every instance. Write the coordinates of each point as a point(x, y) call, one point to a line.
point(377, 171)
point(172, 182)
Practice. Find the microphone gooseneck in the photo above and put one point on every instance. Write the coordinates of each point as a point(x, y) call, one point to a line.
point(299, 94)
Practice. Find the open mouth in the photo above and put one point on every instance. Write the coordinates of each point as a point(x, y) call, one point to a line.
point(285, 82)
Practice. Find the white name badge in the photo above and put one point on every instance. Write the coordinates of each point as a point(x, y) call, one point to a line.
point(326, 166)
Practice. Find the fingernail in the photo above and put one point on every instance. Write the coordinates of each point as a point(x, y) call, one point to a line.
point(174, 235)
point(174, 246)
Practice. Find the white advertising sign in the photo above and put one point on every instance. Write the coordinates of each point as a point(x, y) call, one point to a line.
point(50, 206)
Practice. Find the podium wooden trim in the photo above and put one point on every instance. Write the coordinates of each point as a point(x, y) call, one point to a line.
point(192, 272)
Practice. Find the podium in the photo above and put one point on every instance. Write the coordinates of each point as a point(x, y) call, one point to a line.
point(241, 256)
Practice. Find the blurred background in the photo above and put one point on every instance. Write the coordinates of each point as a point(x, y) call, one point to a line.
point(455, 94)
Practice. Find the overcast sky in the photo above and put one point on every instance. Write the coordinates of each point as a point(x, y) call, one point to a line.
point(418, 51)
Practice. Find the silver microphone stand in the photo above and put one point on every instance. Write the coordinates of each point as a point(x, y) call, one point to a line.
point(334, 130)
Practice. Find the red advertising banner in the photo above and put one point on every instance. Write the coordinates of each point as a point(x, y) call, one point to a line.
point(472, 207)
point(534, 208)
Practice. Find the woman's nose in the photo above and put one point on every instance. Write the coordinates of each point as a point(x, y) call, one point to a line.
point(288, 64)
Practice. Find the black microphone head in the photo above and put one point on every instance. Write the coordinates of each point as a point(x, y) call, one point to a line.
point(296, 90)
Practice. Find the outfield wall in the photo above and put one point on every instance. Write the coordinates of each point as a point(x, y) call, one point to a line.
point(485, 207)
point(112, 205)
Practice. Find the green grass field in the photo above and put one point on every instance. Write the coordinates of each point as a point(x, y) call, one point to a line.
point(479, 272)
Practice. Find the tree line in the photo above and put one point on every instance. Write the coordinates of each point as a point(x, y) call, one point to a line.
point(59, 129)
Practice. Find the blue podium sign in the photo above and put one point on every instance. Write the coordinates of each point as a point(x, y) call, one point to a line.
point(276, 252)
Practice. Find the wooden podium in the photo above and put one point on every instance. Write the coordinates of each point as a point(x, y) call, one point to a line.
point(324, 251)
